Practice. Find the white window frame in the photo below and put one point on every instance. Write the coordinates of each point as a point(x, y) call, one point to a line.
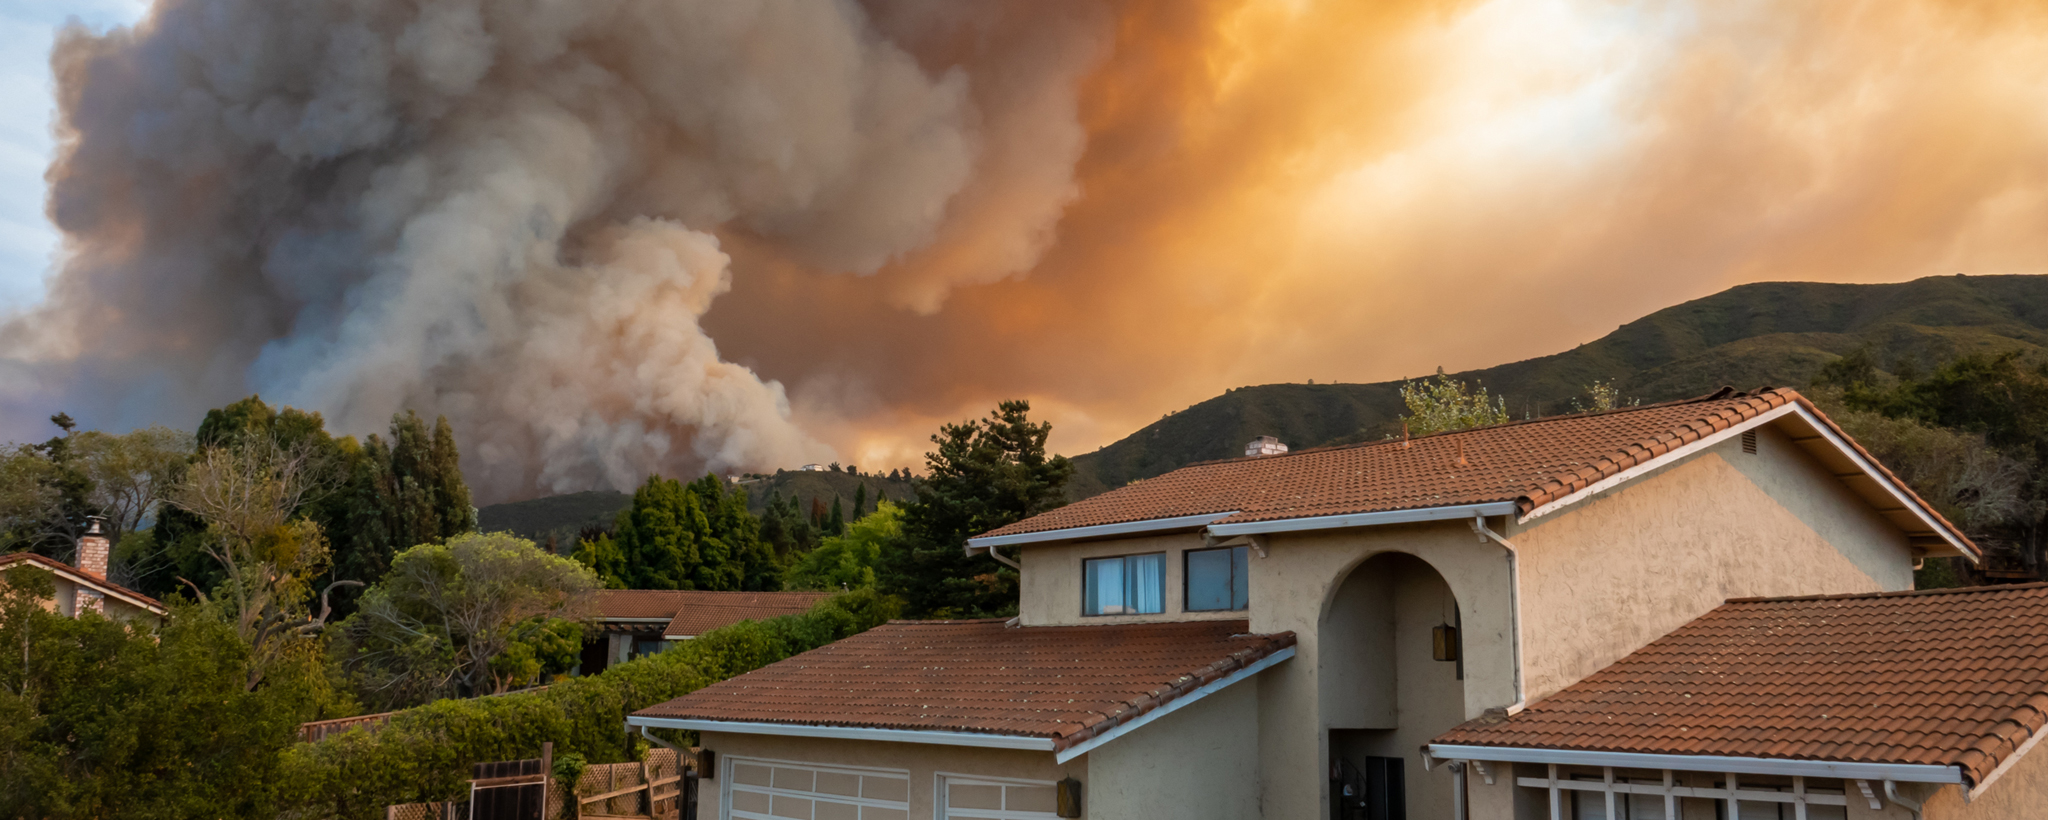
point(943, 778)
point(726, 764)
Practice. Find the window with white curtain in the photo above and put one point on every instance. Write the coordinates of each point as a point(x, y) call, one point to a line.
point(1125, 585)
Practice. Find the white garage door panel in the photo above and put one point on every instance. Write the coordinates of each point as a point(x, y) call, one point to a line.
point(974, 798)
point(783, 790)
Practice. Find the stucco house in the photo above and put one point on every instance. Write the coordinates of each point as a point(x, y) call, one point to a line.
point(1599, 615)
point(85, 588)
point(635, 622)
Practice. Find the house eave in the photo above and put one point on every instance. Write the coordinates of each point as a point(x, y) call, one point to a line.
point(1144, 527)
point(1900, 772)
point(975, 739)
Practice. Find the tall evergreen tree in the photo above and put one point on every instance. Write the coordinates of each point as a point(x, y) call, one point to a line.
point(836, 525)
point(689, 536)
point(860, 501)
point(986, 473)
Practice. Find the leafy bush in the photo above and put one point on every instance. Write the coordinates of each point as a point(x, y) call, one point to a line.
point(425, 754)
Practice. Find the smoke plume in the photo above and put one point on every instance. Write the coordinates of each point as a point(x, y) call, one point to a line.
point(537, 216)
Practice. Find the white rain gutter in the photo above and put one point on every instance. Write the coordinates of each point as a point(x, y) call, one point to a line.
point(1514, 604)
point(985, 741)
point(1901, 772)
point(1184, 522)
point(1370, 519)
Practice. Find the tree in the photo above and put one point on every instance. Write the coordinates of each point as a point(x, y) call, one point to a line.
point(101, 719)
point(1443, 403)
point(985, 473)
point(836, 525)
point(694, 536)
point(131, 475)
point(860, 501)
point(479, 613)
point(849, 561)
point(248, 495)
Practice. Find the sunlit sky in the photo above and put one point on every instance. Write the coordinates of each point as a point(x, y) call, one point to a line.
point(27, 27)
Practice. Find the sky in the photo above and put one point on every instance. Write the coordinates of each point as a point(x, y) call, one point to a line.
point(620, 237)
point(28, 242)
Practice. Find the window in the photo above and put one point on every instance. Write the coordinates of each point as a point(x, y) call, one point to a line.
point(642, 648)
point(1130, 585)
point(963, 798)
point(1216, 579)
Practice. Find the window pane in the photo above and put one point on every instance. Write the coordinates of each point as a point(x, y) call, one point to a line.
point(1589, 806)
point(1147, 574)
point(1209, 580)
point(1103, 587)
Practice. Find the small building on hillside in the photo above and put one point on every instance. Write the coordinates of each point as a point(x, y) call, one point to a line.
point(635, 622)
point(85, 587)
point(1595, 615)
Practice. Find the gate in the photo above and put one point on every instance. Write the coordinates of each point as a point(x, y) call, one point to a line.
point(512, 789)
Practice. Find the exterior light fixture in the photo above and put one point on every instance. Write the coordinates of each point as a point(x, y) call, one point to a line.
point(1068, 792)
point(1443, 644)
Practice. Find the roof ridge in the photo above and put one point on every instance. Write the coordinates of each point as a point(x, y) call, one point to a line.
point(1903, 593)
point(1723, 394)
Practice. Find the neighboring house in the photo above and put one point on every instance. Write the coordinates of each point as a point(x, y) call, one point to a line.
point(1283, 636)
point(85, 587)
point(635, 622)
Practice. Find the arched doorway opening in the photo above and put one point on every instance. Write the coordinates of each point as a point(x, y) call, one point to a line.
point(1392, 679)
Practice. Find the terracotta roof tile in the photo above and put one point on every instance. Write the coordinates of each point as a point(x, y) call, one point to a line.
point(1532, 463)
point(701, 612)
point(1066, 683)
point(1944, 677)
point(638, 603)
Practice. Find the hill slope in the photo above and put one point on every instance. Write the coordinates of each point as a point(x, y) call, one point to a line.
point(1774, 333)
point(563, 515)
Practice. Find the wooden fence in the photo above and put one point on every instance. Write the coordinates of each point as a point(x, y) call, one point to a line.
point(663, 787)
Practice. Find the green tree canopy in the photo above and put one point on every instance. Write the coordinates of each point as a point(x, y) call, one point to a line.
point(1442, 403)
point(479, 613)
point(985, 473)
point(849, 561)
point(698, 535)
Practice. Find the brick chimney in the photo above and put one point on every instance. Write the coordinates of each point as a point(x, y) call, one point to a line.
point(1264, 446)
point(92, 561)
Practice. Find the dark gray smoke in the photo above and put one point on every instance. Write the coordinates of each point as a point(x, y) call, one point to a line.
point(511, 211)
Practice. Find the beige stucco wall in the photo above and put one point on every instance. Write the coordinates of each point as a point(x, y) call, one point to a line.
point(1603, 577)
point(924, 762)
point(1198, 763)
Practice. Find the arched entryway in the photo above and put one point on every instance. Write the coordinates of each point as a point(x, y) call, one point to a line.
point(1392, 679)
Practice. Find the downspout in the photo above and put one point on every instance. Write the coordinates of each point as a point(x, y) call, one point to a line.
point(1459, 811)
point(1891, 792)
point(1514, 604)
point(992, 553)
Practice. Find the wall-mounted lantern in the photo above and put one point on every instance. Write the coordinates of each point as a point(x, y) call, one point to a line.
point(1443, 644)
point(1068, 792)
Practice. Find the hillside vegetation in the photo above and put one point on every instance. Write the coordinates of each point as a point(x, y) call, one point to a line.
point(563, 515)
point(1776, 333)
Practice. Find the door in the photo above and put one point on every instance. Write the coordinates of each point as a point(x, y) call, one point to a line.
point(786, 790)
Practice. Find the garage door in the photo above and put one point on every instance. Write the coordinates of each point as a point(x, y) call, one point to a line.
point(974, 798)
point(784, 790)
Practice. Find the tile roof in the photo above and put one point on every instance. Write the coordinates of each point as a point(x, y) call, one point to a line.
point(1942, 677)
point(1531, 463)
point(59, 566)
point(1065, 683)
point(701, 612)
point(638, 603)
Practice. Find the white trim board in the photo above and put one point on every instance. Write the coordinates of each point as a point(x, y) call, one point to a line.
point(1184, 522)
point(1901, 772)
point(986, 741)
point(1171, 706)
point(1459, 512)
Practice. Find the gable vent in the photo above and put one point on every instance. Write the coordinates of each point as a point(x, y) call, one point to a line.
point(1749, 441)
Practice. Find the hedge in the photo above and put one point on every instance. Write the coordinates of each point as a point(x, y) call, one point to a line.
point(424, 754)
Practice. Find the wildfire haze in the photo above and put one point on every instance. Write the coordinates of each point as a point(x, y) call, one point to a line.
point(609, 237)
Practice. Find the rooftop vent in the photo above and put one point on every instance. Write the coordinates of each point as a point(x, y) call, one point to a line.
point(1264, 446)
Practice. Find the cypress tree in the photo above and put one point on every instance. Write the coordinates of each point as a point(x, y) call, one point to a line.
point(836, 525)
point(860, 501)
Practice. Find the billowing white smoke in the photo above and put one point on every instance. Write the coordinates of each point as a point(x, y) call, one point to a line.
point(508, 211)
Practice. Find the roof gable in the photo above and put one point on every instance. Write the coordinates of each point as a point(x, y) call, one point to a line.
point(1943, 677)
point(78, 576)
point(1529, 468)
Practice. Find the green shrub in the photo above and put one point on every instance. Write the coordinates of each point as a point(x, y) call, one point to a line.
point(425, 753)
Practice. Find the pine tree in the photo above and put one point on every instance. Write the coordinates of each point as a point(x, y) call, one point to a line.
point(986, 473)
point(836, 525)
point(860, 501)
